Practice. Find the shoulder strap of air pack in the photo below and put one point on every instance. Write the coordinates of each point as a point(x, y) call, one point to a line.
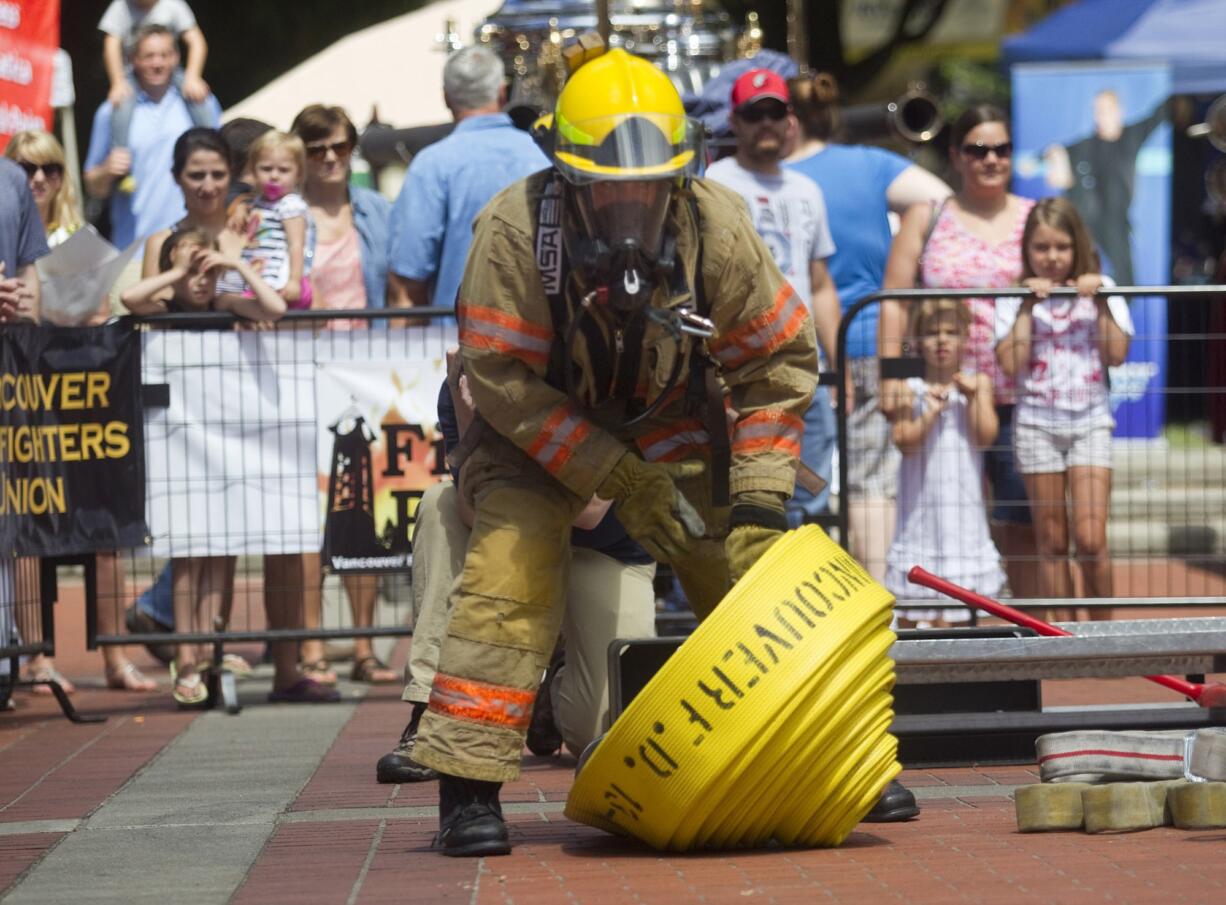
point(552, 263)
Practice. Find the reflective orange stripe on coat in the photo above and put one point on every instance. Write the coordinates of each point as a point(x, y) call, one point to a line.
point(498, 705)
point(769, 430)
point(767, 332)
point(498, 331)
point(561, 433)
point(685, 439)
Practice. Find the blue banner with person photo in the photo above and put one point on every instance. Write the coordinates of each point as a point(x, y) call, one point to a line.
point(1098, 134)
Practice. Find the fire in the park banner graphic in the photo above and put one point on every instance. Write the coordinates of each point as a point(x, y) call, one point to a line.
point(72, 458)
point(379, 448)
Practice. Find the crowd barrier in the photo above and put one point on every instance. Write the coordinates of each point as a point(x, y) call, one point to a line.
point(281, 468)
point(278, 475)
point(1166, 532)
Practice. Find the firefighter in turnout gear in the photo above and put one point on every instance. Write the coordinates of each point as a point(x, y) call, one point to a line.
point(625, 334)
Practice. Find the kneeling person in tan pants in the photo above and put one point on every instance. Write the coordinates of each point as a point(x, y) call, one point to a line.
point(609, 595)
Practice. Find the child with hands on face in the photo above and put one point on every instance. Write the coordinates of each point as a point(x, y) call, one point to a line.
point(277, 222)
point(190, 264)
point(1059, 348)
point(942, 520)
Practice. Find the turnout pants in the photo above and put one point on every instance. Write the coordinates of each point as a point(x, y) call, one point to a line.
point(508, 606)
point(605, 599)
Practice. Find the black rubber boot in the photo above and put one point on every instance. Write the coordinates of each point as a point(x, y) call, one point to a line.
point(896, 804)
point(544, 738)
point(398, 766)
point(470, 820)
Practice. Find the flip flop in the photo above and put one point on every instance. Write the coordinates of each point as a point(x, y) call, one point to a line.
point(48, 673)
point(305, 691)
point(372, 670)
point(189, 690)
point(319, 671)
point(129, 678)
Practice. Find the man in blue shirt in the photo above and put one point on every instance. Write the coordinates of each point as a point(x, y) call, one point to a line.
point(450, 181)
point(137, 179)
point(22, 242)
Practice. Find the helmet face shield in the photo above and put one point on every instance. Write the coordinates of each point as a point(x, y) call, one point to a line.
point(629, 146)
point(625, 213)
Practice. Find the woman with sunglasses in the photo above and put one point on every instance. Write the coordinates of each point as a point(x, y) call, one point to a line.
point(351, 222)
point(42, 157)
point(972, 240)
point(349, 273)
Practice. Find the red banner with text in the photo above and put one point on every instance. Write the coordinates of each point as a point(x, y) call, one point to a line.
point(29, 38)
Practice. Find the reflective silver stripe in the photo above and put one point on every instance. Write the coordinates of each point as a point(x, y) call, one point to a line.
point(743, 346)
point(511, 337)
point(771, 429)
point(662, 448)
point(561, 434)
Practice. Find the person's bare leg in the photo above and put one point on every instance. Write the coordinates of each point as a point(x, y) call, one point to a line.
point(872, 521)
point(1016, 543)
point(363, 593)
point(311, 652)
point(1090, 487)
point(28, 577)
point(283, 595)
point(186, 586)
point(120, 672)
point(1047, 494)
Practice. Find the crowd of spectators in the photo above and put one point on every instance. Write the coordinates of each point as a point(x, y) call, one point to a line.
point(253, 221)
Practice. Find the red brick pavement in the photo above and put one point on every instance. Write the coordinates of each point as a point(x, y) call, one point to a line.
point(959, 851)
point(52, 769)
point(963, 849)
point(18, 853)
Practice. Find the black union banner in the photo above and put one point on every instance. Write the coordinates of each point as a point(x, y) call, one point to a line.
point(72, 458)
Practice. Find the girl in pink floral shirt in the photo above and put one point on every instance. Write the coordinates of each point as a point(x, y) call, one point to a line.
point(1058, 349)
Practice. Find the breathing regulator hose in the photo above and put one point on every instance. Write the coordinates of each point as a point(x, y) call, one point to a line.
point(771, 721)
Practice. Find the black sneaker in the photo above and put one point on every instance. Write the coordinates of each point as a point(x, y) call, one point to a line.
point(139, 622)
point(470, 820)
point(398, 765)
point(544, 738)
point(895, 805)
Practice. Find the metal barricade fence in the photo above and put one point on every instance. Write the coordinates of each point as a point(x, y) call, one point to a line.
point(26, 619)
point(1164, 514)
point(264, 447)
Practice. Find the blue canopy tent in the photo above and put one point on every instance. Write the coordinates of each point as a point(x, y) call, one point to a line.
point(1188, 34)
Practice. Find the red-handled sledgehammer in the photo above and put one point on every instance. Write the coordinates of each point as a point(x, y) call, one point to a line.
point(1205, 695)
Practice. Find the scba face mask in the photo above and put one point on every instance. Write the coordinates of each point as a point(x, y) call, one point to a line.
point(624, 248)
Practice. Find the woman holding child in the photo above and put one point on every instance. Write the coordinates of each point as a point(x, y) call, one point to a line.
point(180, 267)
point(972, 240)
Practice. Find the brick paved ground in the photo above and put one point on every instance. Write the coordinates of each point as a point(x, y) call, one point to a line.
point(340, 837)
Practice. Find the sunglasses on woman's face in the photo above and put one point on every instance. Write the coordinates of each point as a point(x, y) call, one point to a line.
point(50, 170)
point(1003, 151)
point(341, 149)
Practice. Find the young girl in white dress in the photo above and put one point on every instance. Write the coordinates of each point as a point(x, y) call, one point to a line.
point(942, 520)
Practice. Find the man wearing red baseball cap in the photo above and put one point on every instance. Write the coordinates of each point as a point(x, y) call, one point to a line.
point(789, 213)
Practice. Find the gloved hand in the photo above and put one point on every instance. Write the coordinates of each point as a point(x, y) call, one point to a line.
point(757, 521)
point(649, 506)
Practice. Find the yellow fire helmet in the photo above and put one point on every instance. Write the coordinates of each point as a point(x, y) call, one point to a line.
point(620, 118)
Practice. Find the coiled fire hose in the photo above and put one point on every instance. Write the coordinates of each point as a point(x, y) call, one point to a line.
point(770, 722)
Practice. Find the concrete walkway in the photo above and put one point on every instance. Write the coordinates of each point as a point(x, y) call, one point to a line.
point(279, 804)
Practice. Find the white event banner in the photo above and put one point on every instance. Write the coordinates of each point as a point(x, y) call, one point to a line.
point(233, 461)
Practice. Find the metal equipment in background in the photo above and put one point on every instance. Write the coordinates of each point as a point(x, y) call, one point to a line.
point(1214, 126)
point(688, 39)
point(914, 116)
